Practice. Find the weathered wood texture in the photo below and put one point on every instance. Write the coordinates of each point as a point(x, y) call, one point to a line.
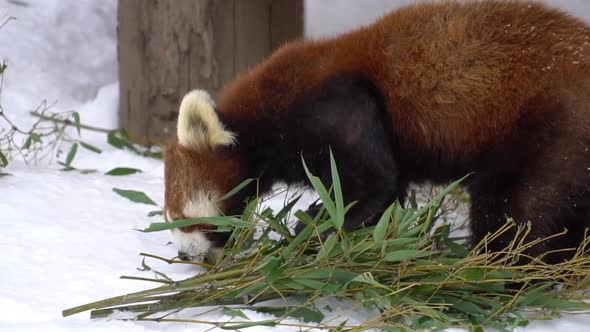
point(168, 47)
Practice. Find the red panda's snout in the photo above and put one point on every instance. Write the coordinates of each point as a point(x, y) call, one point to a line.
point(199, 168)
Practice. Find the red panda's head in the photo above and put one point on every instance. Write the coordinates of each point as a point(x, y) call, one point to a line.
point(199, 168)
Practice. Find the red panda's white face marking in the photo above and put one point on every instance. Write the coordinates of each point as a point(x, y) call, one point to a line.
point(193, 244)
point(197, 173)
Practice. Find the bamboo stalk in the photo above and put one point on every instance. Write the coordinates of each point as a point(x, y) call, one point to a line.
point(69, 123)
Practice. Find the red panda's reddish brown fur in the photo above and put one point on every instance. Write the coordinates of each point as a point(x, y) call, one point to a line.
point(498, 88)
point(448, 65)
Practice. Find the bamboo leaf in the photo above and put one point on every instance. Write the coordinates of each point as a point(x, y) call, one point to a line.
point(27, 144)
point(306, 314)
point(381, 228)
point(456, 248)
point(121, 171)
point(216, 221)
point(432, 203)
point(532, 295)
point(468, 307)
point(236, 189)
point(3, 160)
point(400, 242)
point(327, 247)
point(278, 224)
point(323, 193)
point(402, 255)
point(115, 141)
point(473, 273)
point(240, 325)
point(156, 213)
point(367, 278)
point(234, 313)
point(310, 283)
point(76, 117)
point(338, 198)
point(90, 147)
point(287, 208)
point(134, 196)
point(71, 155)
point(250, 209)
point(552, 303)
point(32, 138)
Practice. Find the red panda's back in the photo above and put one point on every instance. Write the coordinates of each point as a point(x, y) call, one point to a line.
point(458, 76)
point(455, 77)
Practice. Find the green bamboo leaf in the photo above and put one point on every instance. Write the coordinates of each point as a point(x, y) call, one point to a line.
point(120, 171)
point(71, 155)
point(381, 228)
point(115, 141)
point(156, 213)
point(367, 278)
point(36, 138)
point(234, 313)
point(289, 284)
point(3, 160)
point(254, 288)
point(216, 221)
point(338, 198)
point(90, 147)
point(322, 192)
point(236, 189)
point(334, 275)
point(287, 208)
point(33, 138)
point(457, 249)
point(394, 329)
point(327, 247)
point(277, 223)
point(240, 325)
point(250, 209)
point(519, 321)
point(532, 295)
point(77, 124)
point(135, 196)
point(310, 283)
point(467, 307)
point(473, 273)
point(410, 218)
point(505, 274)
point(306, 314)
point(27, 144)
point(399, 242)
point(402, 255)
point(303, 217)
point(552, 303)
point(271, 267)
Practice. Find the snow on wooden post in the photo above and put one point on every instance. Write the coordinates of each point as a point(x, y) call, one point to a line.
point(168, 47)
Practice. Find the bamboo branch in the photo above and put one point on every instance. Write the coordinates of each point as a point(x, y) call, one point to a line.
point(69, 123)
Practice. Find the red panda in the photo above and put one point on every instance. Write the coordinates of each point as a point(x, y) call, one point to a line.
point(429, 92)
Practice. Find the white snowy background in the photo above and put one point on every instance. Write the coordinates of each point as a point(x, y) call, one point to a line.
point(65, 238)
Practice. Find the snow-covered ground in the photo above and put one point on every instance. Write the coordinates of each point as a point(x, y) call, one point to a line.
point(66, 237)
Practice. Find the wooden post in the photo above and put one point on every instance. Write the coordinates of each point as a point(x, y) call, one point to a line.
point(168, 47)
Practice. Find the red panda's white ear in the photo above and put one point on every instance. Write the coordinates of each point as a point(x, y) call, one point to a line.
point(198, 124)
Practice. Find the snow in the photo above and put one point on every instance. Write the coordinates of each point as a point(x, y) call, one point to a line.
point(66, 237)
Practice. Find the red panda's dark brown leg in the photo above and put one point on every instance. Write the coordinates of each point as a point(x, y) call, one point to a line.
point(347, 117)
point(551, 191)
point(547, 216)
